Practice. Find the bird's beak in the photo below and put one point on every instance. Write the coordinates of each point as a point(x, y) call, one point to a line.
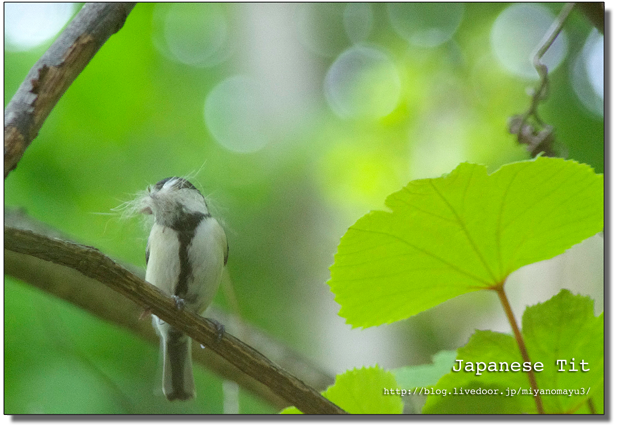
point(147, 205)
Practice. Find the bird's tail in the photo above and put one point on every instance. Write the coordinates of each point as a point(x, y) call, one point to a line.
point(178, 379)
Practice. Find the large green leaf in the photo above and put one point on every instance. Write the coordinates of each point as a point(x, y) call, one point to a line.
point(462, 232)
point(562, 328)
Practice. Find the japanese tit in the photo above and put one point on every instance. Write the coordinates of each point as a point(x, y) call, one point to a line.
point(185, 257)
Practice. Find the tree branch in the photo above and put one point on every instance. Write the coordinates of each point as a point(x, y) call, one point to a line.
point(55, 71)
point(96, 266)
point(92, 296)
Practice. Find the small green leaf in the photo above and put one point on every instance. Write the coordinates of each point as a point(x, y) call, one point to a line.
point(561, 328)
point(425, 375)
point(363, 391)
point(291, 410)
point(485, 347)
point(461, 232)
point(565, 328)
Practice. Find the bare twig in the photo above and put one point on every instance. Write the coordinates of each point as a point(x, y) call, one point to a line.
point(540, 137)
point(95, 265)
point(546, 43)
point(55, 71)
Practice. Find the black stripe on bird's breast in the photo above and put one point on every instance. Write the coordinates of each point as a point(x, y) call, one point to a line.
point(185, 228)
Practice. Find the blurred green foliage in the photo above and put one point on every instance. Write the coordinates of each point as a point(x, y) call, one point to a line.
point(136, 115)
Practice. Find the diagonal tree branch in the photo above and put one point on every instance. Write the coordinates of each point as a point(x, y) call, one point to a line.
point(92, 296)
point(55, 71)
point(73, 287)
point(95, 265)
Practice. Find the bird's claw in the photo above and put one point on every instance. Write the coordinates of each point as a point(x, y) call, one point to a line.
point(179, 302)
point(219, 327)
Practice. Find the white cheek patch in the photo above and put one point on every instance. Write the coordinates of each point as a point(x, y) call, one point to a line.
point(190, 200)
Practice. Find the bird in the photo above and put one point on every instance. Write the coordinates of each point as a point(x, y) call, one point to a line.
point(186, 253)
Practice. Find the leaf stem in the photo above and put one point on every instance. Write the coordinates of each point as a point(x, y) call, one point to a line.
point(515, 328)
point(591, 405)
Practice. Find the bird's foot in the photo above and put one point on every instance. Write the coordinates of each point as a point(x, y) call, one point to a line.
point(219, 327)
point(179, 302)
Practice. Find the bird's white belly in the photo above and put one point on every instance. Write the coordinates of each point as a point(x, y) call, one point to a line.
point(206, 258)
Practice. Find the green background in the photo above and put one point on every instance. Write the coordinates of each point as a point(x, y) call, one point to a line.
point(135, 116)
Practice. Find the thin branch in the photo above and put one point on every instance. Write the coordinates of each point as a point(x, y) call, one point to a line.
point(548, 40)
point(95, 265)
point(515, 329)
point(55, 71)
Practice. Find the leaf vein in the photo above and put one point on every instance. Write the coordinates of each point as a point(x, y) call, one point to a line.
point(423, 211)
point(539, 200)
point(424, 251)
point(469, 238)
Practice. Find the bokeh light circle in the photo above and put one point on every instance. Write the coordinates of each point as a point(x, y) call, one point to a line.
point(195, 34)
point(235, 115)
point(425, 24)
point(587, 74)
point(28, 25)
point(517, 33)
point(363, 82)
point(594, 60)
